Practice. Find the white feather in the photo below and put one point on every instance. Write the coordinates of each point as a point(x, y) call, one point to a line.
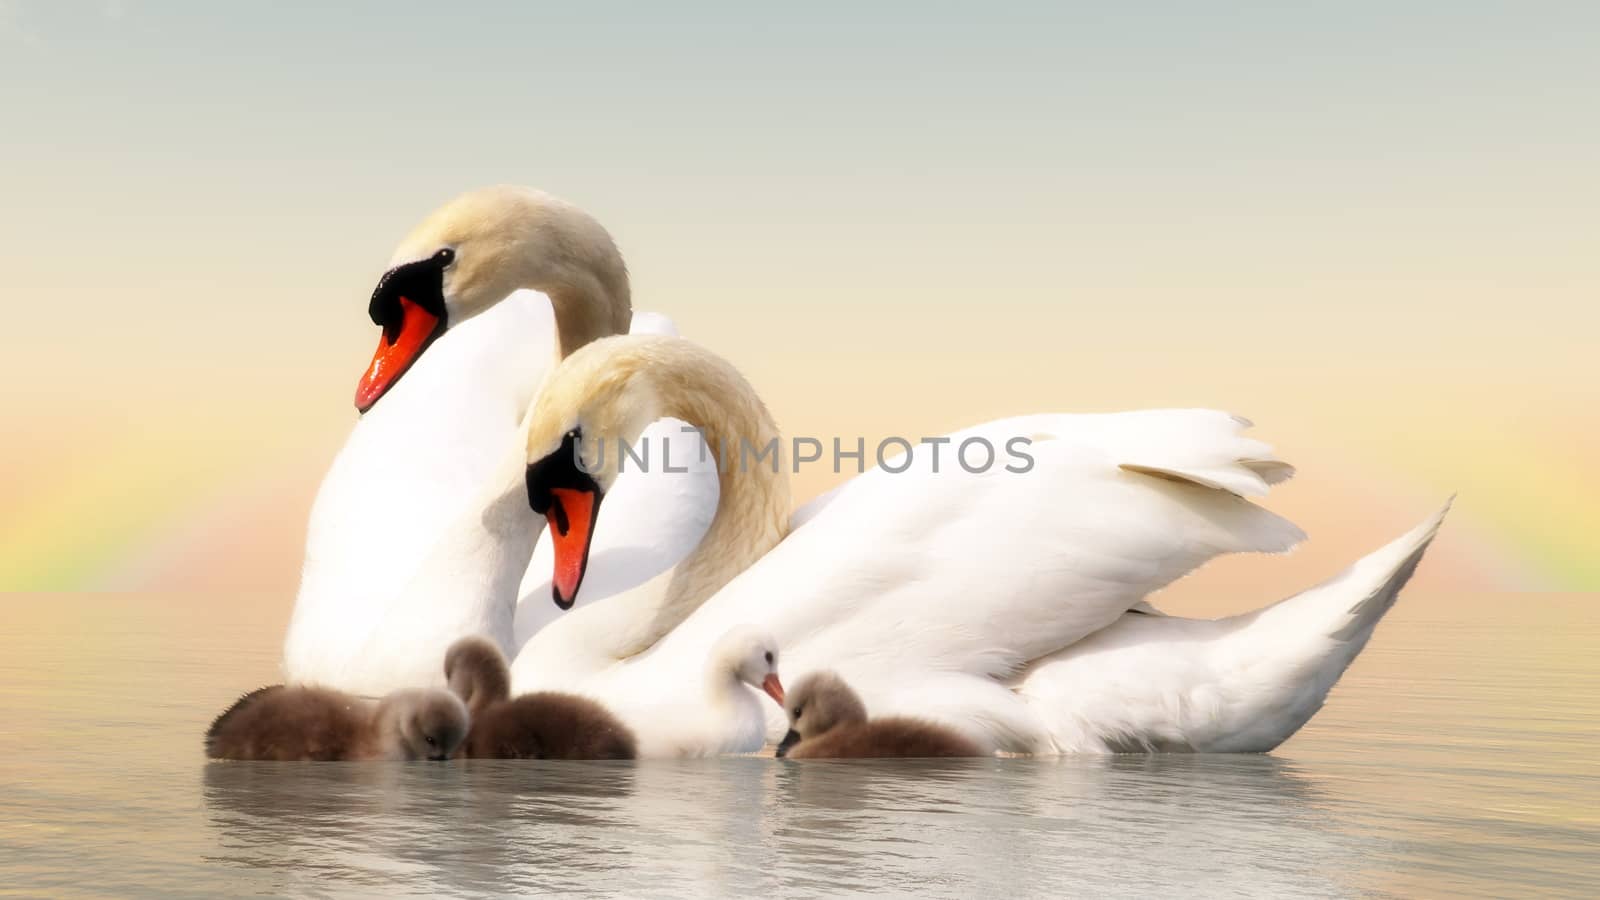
point(924, 585)
point(420, 531)
point(1239, 684)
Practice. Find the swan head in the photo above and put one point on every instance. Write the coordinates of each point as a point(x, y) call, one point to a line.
point(476, 671)
point(583, 431)
point(599, 399)
point(819, 703)
point(748, 656)
point(477, 250)
point(422, 724)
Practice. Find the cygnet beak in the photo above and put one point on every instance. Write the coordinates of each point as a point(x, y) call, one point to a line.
point(773, 687)
point(789, 740)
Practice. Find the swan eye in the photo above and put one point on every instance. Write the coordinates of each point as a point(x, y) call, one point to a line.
point(769, 657)
point(445, 257)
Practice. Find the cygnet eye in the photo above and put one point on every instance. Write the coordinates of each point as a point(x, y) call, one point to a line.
point(429, 739)
point(797, 711)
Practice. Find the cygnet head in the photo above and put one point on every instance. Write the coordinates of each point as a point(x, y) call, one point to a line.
point(748, 656)
point(477, 672)
point(820, 702)
point(477, 250)
point(421, 724)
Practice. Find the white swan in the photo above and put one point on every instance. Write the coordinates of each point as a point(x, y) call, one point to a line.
point(727, 714)
point(950, 594)
point(421, 532)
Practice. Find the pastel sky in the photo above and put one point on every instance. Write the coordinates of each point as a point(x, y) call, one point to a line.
point(1371, 230)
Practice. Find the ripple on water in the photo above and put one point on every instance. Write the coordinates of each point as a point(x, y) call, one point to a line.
point(1456, 757)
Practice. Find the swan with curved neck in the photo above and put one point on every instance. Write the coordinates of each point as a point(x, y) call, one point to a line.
point(599, 401)
point(950, 595)
point(420, 532)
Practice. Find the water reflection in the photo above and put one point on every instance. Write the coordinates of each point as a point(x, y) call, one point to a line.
point(760, 825)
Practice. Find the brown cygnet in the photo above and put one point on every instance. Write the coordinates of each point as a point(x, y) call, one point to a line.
point(827, 720)
point(294, 722)
point(541, 725)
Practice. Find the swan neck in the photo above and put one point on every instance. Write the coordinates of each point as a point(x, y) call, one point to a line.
point(722, 687)
point(752, 513)
point(586, 310)
point(678, 381)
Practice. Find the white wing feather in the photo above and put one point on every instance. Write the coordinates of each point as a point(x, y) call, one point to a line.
point(1239, 684)
point(904, 580)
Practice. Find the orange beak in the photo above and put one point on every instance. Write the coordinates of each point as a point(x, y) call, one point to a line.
point(571, 517)
point(397, 350)
point(773, 687)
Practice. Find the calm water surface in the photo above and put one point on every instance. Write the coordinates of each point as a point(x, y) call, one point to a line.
point(1458, 757)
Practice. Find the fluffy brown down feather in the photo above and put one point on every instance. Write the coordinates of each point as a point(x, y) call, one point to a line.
point(548, 725)
point(293, 723)
point(477, 672)
point(892, 737)
point(317, 724)
point(543, 725)
point(827, 720)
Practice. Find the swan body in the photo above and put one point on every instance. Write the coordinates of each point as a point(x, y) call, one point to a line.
point(405, 492)
point(420, 533)
point(726, 714)
point(951, 595)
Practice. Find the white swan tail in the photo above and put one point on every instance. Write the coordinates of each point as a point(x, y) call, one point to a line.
point(1302, 645)
point(1242, 684)
point(1373, 583)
